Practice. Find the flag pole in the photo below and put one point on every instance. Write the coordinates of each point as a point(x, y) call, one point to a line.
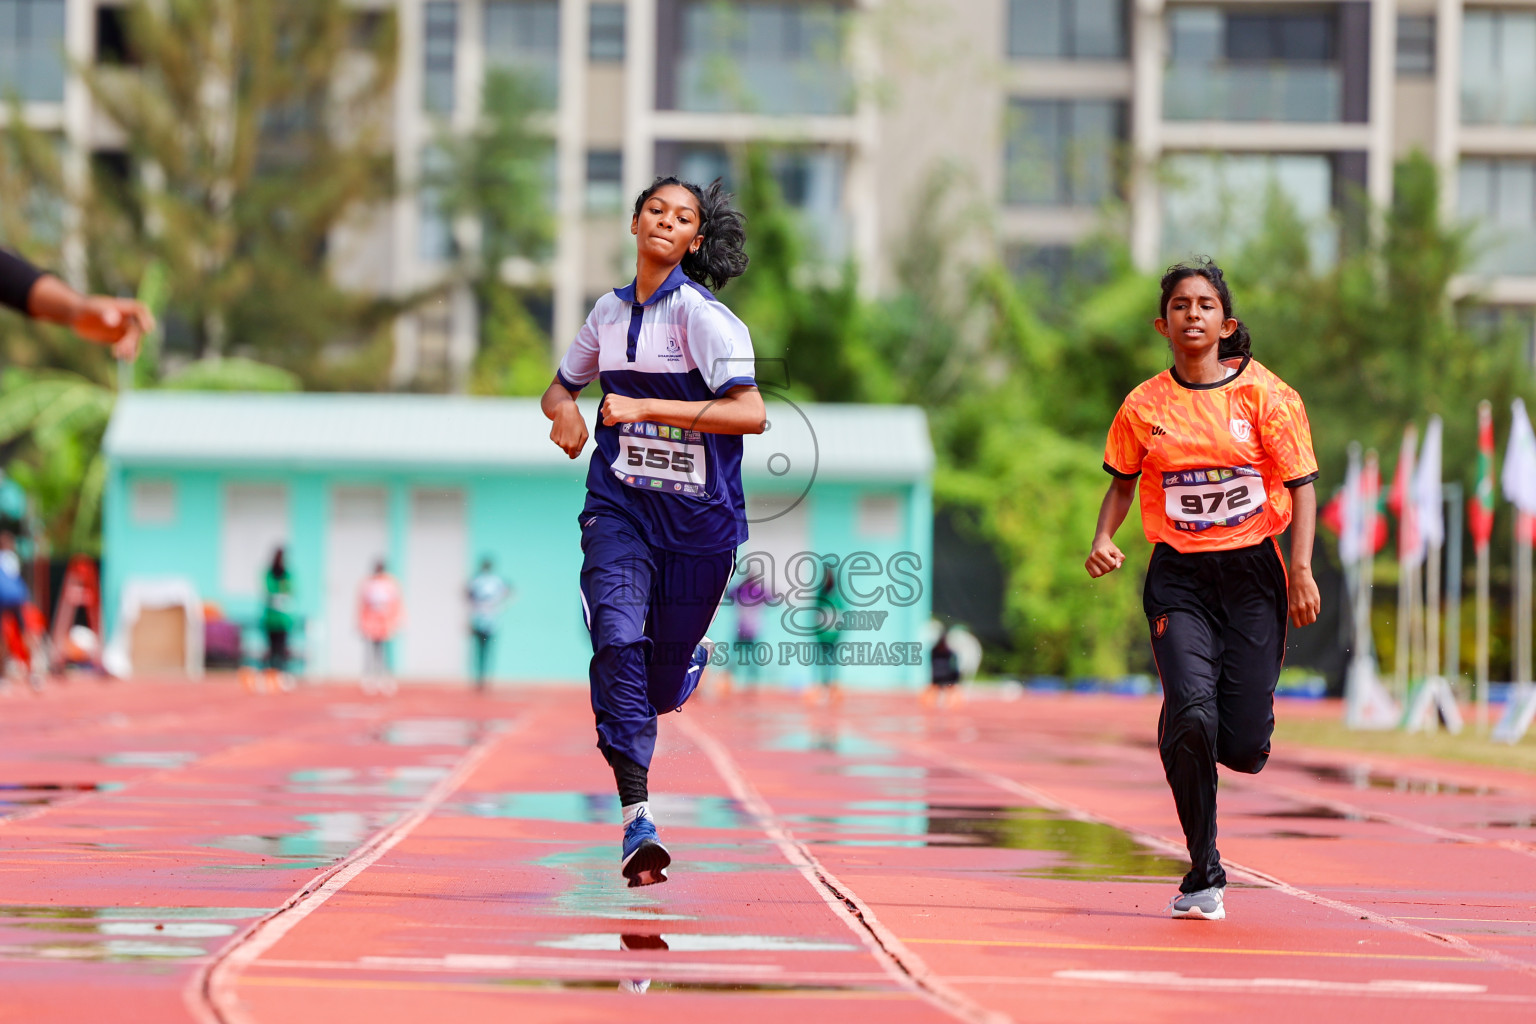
point(1480, 519)
point(1482, 637)
point(1454, 577)
point(1522, 599)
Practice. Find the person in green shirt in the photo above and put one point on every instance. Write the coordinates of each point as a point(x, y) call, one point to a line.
point(277, 621)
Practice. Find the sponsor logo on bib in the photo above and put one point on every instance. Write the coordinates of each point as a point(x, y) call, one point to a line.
point(1242, 429)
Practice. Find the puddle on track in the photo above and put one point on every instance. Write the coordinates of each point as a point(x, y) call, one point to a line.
point(1088, 851)
point(330, 837)
point(437, 732)
point(1361, 776)
point(18, 795)
point(150, 758)
point(671, 809)
point(596, 890)
point(694, 943)
point(120, 933)
point(1313, 812)
point(405, 781)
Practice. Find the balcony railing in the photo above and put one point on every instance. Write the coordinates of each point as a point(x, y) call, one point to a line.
point(718, 84)
point(1505, 99)
point(1302, 93)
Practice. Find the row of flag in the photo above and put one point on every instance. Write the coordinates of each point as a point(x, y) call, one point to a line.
point(1416, 498)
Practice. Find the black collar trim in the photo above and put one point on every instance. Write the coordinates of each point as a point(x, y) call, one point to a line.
point(1181, 382)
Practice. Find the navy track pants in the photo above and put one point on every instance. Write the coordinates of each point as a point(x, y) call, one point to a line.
point(647, 609)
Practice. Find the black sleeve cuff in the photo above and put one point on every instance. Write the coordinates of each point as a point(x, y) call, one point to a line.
point(1112, 471)
point(1299, 481)
point(574, 389)
point(17, 277)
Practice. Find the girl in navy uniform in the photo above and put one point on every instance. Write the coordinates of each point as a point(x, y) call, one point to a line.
point(664, 509)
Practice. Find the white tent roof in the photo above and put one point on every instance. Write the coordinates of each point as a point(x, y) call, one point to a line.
point(845, 442)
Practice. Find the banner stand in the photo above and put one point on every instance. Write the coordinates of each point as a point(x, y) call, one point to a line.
point(1367, 704)
point(1431, 702)
point(1518, 713)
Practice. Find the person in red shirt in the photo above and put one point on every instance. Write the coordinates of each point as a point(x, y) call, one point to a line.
point(1224, 454)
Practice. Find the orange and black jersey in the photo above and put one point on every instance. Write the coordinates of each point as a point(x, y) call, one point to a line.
point(1215, 459)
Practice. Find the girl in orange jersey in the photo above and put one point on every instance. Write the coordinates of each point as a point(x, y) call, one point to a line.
point(1224, 454)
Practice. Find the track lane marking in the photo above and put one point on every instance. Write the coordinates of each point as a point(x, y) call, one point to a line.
point(1163, 844)
point(211, 993)
point(901, 963)
point(1231, 951)
point(511, 987)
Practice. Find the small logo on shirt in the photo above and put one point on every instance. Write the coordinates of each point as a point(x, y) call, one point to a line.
point(1158, 431)
point(1242, 429)
point(674, 351)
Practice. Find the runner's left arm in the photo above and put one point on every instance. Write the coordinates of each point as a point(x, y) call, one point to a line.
point(739, 411)
point(1303, 599)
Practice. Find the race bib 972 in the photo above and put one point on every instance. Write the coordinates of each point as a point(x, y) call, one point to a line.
point(1198, 499)
point(656, 457)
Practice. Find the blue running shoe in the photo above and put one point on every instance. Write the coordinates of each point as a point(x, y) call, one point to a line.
point(645, 859)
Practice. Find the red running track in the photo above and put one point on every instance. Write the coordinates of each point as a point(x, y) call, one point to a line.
point(187, 852)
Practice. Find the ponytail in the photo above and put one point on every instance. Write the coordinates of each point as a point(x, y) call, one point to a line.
point(721, 256)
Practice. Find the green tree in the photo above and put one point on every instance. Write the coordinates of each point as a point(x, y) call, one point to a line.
point(258, 130)
point(498, 176)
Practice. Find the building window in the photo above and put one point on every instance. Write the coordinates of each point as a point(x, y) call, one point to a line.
point(1416, 44)
point(32, 50)
point(1066, 28)
point(763, 58)
point(1502, 195)
point(1498, 67)
point(1061, 152)
point(1258, 66)
point(113, 46)
point(605, 181)
point(605, 32)
point(440, 46)
point(1217, 204)
point(809, 180)
point(435, 239)
point(523, 37)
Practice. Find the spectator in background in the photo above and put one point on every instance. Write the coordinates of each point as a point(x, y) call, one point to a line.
point(487, 592)
point(945, 664)
point(829, 611)
point(277, 622)
point(13, 597)
point(99, 318)
point(378, 616)
point(749, 597)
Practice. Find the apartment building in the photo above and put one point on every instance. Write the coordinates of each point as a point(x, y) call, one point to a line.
point(1157, 120)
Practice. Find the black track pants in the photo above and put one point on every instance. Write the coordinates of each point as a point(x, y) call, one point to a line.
point(1218, 637)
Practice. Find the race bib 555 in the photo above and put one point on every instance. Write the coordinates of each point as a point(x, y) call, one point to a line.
point(656, 457)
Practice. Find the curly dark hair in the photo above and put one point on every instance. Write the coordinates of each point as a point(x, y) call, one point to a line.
point(1238, 343)
point(720, 256)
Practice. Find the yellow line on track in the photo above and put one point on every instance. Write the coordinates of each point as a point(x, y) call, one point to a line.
point(1191, 949)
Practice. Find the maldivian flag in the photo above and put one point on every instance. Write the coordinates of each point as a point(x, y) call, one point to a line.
point(1480, 505)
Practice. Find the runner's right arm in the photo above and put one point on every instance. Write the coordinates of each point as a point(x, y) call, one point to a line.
point(570, 430)
point(1106, 557)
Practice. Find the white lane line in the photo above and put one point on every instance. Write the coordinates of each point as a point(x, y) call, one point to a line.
point(1177, 849)
point(558, 968)
point(211, 994)
point(904, 966)
point(1174, 979)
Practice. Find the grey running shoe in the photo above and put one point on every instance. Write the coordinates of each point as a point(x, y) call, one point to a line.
point(1205, 905)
